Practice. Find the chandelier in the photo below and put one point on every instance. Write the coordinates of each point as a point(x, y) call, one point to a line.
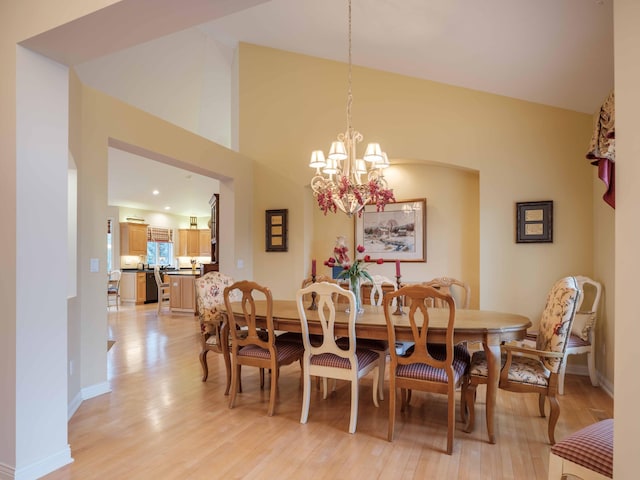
point(344, 181)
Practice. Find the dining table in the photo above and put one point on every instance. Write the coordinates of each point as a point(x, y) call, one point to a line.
point(491, 328)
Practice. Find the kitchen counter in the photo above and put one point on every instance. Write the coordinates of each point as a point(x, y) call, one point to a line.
point(183, 272)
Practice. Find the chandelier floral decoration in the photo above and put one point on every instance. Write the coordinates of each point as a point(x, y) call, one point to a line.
point(343, 181)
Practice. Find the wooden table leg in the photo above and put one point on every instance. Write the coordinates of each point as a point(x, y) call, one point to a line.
point(493, 365)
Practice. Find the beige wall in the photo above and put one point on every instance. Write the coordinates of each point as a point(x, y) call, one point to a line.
point(627, 236)
point(292, 104)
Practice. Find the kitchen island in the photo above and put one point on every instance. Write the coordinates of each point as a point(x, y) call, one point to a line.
point(182, 290)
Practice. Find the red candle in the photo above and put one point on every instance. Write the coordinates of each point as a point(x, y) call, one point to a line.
point(313, 266)
point(397, 268)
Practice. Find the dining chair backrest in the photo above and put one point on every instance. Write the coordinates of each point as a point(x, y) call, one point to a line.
point(377, 291)
point(556, 321)
point(328, 294)
point(420, 298)
point(246, 331)
point(459, 290)
point(156, 273)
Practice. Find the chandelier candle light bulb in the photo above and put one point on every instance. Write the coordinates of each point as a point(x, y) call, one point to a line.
point(342, 180)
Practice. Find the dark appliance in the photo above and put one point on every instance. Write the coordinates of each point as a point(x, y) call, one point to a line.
point(152, 288)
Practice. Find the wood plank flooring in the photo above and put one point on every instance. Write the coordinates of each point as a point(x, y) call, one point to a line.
point(162, 422)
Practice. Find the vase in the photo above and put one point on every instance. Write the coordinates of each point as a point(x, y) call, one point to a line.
point(354, 286)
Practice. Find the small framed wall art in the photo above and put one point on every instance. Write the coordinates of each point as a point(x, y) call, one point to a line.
point(276, 230)
point(534, 222)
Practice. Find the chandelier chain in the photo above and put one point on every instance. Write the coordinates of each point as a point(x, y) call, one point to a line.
point(349, 94)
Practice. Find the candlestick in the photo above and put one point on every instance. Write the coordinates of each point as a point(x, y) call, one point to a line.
point(399, 310)
point(313, 305)
point(313, 267)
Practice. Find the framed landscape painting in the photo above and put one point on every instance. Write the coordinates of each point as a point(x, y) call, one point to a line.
point(398, 233)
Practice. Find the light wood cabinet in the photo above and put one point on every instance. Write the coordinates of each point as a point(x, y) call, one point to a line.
point(133, 239)
point(204, 243)
point(182, 293)
point(133, 287)
point(194, 242)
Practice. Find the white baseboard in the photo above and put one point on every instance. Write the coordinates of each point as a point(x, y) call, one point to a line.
point(74, 405)
point(37, 469)
point(95, 390)
point(583, 370)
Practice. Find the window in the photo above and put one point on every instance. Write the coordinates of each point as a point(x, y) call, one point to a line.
point(159, 253)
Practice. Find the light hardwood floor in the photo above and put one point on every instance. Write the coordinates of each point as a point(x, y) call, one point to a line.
point(162, 422)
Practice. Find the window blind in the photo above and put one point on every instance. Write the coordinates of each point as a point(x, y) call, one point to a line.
point(159, 234)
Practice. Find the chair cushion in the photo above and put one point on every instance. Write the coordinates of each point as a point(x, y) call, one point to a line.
point(365, 357)
point(591, 447)
point(576, 341)
point(422, 371)
point(582, 324)
point(523, 369)
point(286, 351)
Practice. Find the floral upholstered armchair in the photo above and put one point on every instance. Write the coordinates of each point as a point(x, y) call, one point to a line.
point(210, 301)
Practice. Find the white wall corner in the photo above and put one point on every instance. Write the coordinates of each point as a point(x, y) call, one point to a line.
point(44, 466)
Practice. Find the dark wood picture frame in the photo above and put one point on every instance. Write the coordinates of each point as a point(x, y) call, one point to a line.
point(276, 230)
point(534, 222)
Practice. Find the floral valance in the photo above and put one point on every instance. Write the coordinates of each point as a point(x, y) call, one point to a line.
point(602, 150)
point(159, 234)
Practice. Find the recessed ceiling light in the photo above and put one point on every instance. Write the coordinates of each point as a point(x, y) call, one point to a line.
point(167, 208)
point(155, 192)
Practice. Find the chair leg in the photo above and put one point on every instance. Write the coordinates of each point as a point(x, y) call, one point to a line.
point(470, 407)
point(376, 381)
point(381, 368)
point(275, 373)
point(451, 417)
point(205, 367)
point(235, 380)
point(392, 408)
point(591, 363)
point(354, 405)
point(554, 414)
point(306, 396)
point(541, 398)
point(227, 365)
point(561, 373)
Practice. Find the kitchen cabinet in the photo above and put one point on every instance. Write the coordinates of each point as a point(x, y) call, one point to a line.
point(194, 242)
point(204, 243)
point(182, 293)
point(133, 287)
point(133, 239)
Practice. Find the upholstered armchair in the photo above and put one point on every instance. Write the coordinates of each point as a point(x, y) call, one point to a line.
point(213, 324)
point(534, 370)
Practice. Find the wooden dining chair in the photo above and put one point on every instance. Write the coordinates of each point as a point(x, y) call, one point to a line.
point(113, 289)
point(533, 370)
point(459, 290)
point(255, 347)
point(213, 322)
point(164, 289)
point(427, 366)
point(328, 360)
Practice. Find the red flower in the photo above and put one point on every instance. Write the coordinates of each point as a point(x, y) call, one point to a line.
point(360, 248)
point(367, 258)
point(379, 261)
